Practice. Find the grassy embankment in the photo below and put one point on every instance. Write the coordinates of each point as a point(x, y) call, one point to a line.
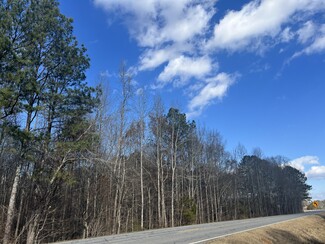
point(310, 229)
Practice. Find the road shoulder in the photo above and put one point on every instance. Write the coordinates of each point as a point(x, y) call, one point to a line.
point(309, 229)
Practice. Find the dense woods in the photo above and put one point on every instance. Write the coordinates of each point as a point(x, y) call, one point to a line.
point(75, 163)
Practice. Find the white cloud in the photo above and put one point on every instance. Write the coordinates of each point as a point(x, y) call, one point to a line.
point(141, 19)
point(316, 172)
point(287, 35)
point(154, 22)
point(306, 32)
point(216, 87)
point(299, 163)
point(186, 68)
point(193, 21)
point(153, 58)
point(257, 20)
point(316, 46)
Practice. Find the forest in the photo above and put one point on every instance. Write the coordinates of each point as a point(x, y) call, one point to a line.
point(76, 163)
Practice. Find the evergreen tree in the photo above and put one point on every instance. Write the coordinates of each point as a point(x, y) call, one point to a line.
point(43, 97)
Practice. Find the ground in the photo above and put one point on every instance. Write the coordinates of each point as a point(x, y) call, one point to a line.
point(309, 229)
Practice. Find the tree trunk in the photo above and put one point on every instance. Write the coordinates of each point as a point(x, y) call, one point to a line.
point(11, 207)
point(141, 177)
point(19, 215)
point(32, 230)
point(163, 202)
point(172, 204)
point(158, 190)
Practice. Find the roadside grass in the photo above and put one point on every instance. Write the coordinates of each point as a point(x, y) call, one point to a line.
point(310, 229)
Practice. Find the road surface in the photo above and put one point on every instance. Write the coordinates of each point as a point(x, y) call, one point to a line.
point(191, 234)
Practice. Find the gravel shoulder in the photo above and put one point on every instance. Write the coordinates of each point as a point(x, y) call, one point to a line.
point(310, 229)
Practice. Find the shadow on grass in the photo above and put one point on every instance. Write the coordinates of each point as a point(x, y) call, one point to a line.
point(282, 236)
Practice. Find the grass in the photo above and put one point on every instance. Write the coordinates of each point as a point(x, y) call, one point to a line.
point(310, 229)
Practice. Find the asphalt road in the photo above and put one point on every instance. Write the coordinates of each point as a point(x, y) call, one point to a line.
point(193, 233)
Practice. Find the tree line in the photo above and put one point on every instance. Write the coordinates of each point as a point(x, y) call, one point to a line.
point(75, 164)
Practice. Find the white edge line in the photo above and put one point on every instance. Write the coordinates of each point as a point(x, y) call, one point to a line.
point(238, 232)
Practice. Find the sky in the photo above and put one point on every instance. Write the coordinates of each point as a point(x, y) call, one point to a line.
point(252, 70)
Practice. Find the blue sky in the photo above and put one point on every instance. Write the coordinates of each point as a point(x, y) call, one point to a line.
point(253, 70)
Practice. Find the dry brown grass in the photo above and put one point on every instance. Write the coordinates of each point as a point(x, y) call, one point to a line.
point(309, 229)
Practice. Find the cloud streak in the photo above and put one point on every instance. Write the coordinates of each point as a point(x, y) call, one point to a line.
point(153, 23)
point(216, 87)
point(186, 68)
point(299, 163)
point(316, 172)
point(258, 20)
